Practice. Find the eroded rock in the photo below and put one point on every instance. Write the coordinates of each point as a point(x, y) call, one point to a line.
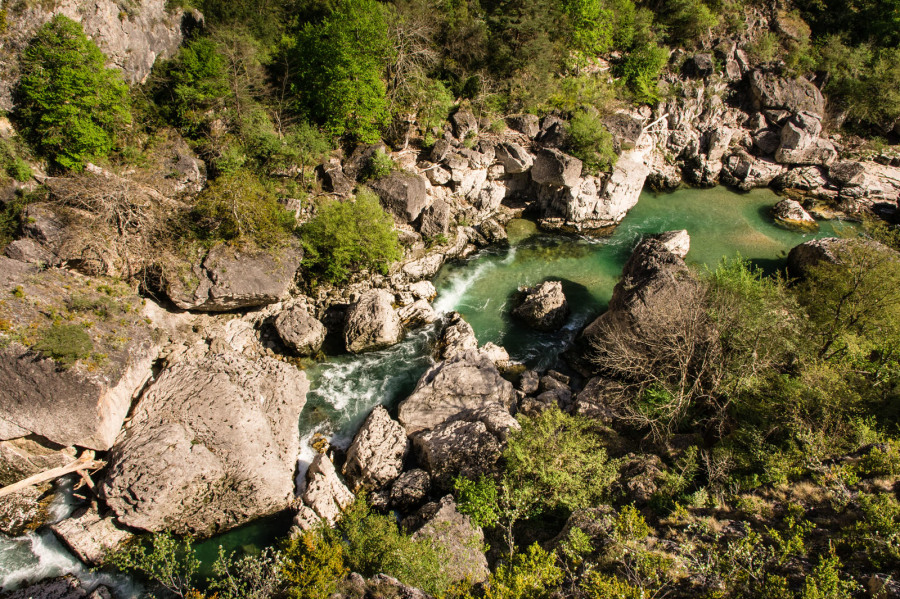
point(543, 307)
point(375, 458)
point(372, 323)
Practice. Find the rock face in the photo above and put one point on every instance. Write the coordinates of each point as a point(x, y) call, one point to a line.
point(375, 458)
point(85, 403)
point(543, 307)
point(791, 214)
point(402, 194)
point(410, 489)
point(801, 144)
point(456, 337)
point(89, 536)
point(325, 494)
point(553, 168)
point(19, 459)
point(372, 323)
point(468, 380)
point(231, 279)
point(514, 158)
point(462, 539)
point(132, 40)
point(212, 444)
point(777, 93)
point(300, 331)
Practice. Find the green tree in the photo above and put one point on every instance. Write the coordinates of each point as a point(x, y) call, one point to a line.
point(591, 141)
point(341, 63)
point(162, 559)
point(641, 69)
point(350, 235)
point(68, 104)
point(197, 84)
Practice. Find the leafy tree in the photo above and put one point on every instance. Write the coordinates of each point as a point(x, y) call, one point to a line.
point(529, 575)
point(641, 69)
point(591, 141)
point(341, 63)
point(350, 235)
point(68, 104)
point(163, 560)
point(197, 82)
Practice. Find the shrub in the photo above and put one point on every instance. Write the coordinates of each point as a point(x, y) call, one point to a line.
point(237, 207)
point(312, 565)
point(69, 105)
point(529, 575)
point(877, 532)
point(65, 343)
point(349, 235)
point(562, 458)
point(162, 559)
point(641, 69)
point(478, 500)
point(591, 142)
point(826, 581)
point(380, 165)
point(250, 576)
point(198, 83)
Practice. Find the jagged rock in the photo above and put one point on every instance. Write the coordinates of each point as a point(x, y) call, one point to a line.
point(699, 65)
point(801, 144)
point(599, 400)
point(355, 586)
point(372, 323)
point(457, 448)
point(334, 179)
point(438, 175)
point(410, 489)
point(417, 314)
point(791, 214)
point(493, 232)
point(229, 278)
point(435, 219)
point(440, 151)
point(748, 172)
point(30, 251)
point(847, 172)
point(375, 458)
point(462, 539)
point(89, 536)
point(361, 158)
point(132, 40)
point(804, 178)
point(402, 194)
point(490, 197)
point(423, 290)
point(625, 128)
point(527, 124)
point(543, 307)
point(212, 444)
point(325, 494)
point(641, 477)
point(528, 382)
point(456, 337)
point(464, 381)
point(300, 331)
point(515, 158)
point(795, 95)
point(65, 587)
point(552, 167)
point(553, 133)
point(676, 242)
point(766, 141)
point(622, 190)
point(85, 403)
point(464, 124)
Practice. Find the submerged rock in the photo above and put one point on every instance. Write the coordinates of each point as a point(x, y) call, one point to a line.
point(212, 444)
point(543, 307)
point(372, 323)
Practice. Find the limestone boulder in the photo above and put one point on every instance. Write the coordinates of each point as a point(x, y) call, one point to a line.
point(456, 336)
point(790, 214)
point(402, 194)
point(771, 91)
point(514, 158)
point(212, 444)
point(375, 458)
point(435, 219)
point(30, 251)
point(89, 536)
point(464, 124)
point(325, 494)
point(747, 172)
point(229, 278)
point(528, 125)
point(468, 380)
point(462, 539)
point(543, 307)
point(410, 489)
point(801, 144)
point(65, 587)
point(372, 323)
point(556, 169)
point(300, 331)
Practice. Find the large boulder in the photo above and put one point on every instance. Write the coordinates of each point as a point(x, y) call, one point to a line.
point(553, 168)
point(829, 249)
point(402, 194)
point(749, 172)
point(300, 331)
point(543, 307)
point(435, 219)
point(514, 158)
point(456, 336)
point(410, 489)
point(325, 494)
point(528, 125)
point(229, 278)
point(790, 214)
point(71, 383)
point(375, 458)
point(462, 539)
point(89, 536)
point(464, 123)
point(212, 444)
point(372, 322)
point(468, 380)
point(801, 144)
point(771, 92)
point(65, 587)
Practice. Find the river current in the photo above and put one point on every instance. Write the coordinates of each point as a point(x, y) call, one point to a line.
point(345, 388)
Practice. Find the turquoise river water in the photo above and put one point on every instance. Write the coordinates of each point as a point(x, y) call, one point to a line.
point(345, 388)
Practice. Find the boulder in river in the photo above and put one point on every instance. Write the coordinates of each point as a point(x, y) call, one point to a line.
point(375, 458)
point(543, 307)
point(372, 323)
point(212, 444)
point(790, 214)
point(325, 494)
point(468, 380)
point(300, 331)
point(89, 536)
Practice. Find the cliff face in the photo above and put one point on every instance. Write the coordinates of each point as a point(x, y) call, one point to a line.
point(132, 34)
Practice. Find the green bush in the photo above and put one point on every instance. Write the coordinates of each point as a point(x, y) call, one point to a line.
point(641, 69)
point(237, 207)
point(529, 575)
point(65, 343)
point(162, 559)
point(197, 84)
point(877, 531)
point(346, 236)
point(380, 165)
point(312, 565)
point(68, 104)
point(591, 142)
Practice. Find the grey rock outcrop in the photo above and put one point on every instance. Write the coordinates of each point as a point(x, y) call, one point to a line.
point(553, 168)
point(435, 219)
point(212, 444)
point(468, 380)
point(462, 539)
point(829, 249)
point(790, 213)
point(375, 458)
point(372, 323)
point(410, 489)
point(801, 144)
point(457, 448)
point(325, 494)
point(778, 93)
point(543, 307)
point(749, 172)
point(300, 331)
point(85, 403)
point(402, 194)
point(456, 337)
point(30, 251)
point(228, 279)
point(464, 123)
point(514, 158)
point(528, 125)
point(89, 536)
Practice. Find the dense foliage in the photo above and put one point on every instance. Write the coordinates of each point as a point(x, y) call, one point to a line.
point(68, 103)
